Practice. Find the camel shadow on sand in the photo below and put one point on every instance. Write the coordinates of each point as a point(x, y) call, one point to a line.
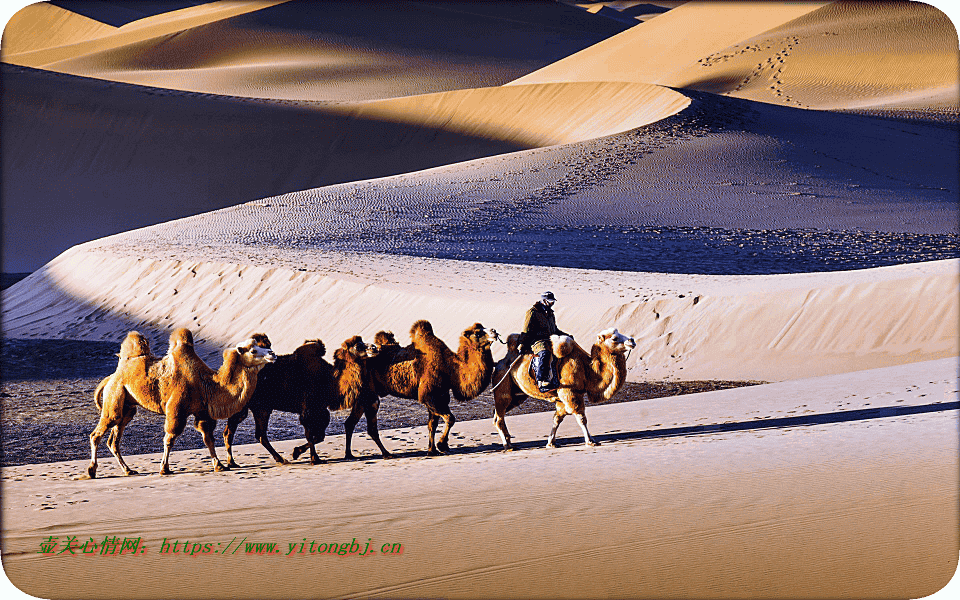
point(758, 424)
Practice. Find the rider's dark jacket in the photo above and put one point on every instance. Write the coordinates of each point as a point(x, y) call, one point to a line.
point(538, 326)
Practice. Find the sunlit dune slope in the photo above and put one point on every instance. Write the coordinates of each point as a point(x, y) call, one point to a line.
point(42, 25)
point(323, 50)
point(650, 52)
point(812, 55)
point(80, 38)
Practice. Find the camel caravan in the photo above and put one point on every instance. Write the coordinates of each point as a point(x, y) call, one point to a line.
point(253, 379)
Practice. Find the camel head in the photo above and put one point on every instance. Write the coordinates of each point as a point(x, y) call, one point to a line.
point(134, 345)
point(356, 347)
point(479, 337)
point(256, 351)
point(615, 342)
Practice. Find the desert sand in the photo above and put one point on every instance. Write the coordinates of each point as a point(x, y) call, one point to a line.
point(754, 191)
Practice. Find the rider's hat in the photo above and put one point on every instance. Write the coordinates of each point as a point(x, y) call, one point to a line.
point(548, 296)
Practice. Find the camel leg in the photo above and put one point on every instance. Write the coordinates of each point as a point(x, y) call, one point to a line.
point(448, 421)
point(105, 423)
point(314, 429)
point(262, 421)
point(557, 419)
point(111, 414)
point(173, 427)
point(229, 430)
point(116, 434)
point(503, 397)
point(500, 422)
point(370, 411)
point(587, 438)
point(432, 420)
point(205, 425)
point(349, 425)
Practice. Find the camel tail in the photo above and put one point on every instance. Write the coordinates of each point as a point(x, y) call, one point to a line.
point(98, 394)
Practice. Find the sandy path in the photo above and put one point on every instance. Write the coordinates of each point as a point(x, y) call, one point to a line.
point(848, 508)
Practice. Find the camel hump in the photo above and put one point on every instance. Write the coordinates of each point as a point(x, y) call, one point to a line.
point(316, 345)
point(385, 338)
point(134, 345)
point(421, 328)
point(513, 343)
point(563, 345)
point(181, 337)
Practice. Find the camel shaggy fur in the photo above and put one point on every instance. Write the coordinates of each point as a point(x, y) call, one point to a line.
point(301, 383)
point(178, 385)
point(428, 371)
point(353, 390)
point(599, 374)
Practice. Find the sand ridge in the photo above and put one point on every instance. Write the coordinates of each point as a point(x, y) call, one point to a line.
point(289, 177)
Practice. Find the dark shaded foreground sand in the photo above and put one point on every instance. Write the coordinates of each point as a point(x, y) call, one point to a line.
point(836, 487)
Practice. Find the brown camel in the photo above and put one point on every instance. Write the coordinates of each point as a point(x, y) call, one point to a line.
point(178, 385)
point(428, 371)
point(354, 391)
point(599, 375)
point(301, 383)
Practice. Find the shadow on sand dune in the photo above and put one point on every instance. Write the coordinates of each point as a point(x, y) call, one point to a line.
point(131, 156)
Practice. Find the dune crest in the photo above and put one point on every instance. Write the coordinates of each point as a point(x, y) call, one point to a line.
point(157, 26)
point(822, 55)
point(652, 51)
point(43, 25)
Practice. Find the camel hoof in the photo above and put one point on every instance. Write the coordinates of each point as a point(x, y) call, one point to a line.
point(387, 455)
point(593, 443)
point(129, 472)
point(316, 460)
point(507, 449)
point(280, 461)
point(166, 471)
point(91, 473)
point(443, 447)
point(434, 452)
point(219, 466)
point(296, 453)
point(233, 464)
point(551, 445)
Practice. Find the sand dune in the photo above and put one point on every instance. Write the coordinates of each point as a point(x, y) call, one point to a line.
point(230, 151)
point(322, 51)
point(688, 327)
point(41, 26)
point(327, 169)
point(810, 55)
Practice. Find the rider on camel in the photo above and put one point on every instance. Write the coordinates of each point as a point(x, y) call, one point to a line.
point(539, 324)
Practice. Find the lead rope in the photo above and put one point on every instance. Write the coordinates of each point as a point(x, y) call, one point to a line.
point(507, 374)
